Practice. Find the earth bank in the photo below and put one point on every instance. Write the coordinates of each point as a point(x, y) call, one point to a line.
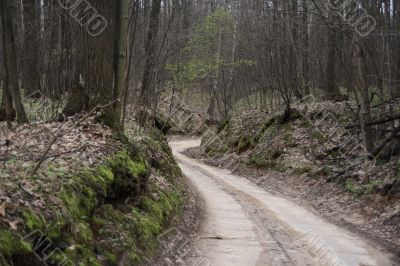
point(108, 212)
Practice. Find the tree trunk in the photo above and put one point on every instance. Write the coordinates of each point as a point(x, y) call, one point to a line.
point(211, 110)
point(397, 82)
point(120, 58)
point(331, 91)
point(306, 40)
point(365, 115)
point(10, 60)
point(30, 67)
point(229, 101)
point(151, 45)
point(95, 65)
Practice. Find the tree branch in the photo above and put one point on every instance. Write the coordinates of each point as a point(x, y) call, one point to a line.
point(384, 120)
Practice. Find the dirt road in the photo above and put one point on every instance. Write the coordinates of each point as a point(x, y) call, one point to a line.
point(245, 225)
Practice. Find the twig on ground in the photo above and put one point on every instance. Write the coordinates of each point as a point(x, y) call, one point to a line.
point(59, 135)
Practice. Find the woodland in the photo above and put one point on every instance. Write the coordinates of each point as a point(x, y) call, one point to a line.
point(92, 90)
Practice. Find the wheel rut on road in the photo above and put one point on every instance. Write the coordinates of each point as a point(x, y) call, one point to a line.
point(245, 225)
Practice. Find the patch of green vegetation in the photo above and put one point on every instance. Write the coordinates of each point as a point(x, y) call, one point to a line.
point(302, 170)
point(214, 150)
point(334, 153)
point(287, 132)
point(111, 258)
point(33, 221)
point(278, 166)
point(147, 228)
point(107, 213)
point(82, 233)
point(11, 244)
point(258, 160)
point(224, 125)
point(159, 156)
point(245, 143)
point(318, 136)
point(353, 188)
point(82, 255)
point(371, 186)
point(266, 125)
point(138, 229)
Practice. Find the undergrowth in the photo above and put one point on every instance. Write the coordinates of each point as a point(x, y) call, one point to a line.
point(109, 215)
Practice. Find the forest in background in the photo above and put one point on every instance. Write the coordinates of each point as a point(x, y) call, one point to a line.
point(64, 53)
point(301, 96)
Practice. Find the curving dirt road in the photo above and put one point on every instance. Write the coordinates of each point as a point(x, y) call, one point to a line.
point(245, 225)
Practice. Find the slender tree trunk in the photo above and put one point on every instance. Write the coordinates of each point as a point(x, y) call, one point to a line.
point(306, 75)
point(365, 115)
point(30, 67)
point(10, 60)
point(211, 110)
point(151, 45)
point(397, 82)
point(120, 58)
point(230, 94)
point(293, 59)
point(331, 91)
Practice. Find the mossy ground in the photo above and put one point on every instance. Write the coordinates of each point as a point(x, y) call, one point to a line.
point(301, 146)
point(109, 215)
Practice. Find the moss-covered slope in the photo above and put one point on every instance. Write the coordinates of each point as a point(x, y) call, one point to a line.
point(106, 215)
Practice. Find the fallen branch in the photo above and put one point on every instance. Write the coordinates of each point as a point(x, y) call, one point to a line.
point(59, 135)
point(45, 153)
point(378, 149)
point(387, 119)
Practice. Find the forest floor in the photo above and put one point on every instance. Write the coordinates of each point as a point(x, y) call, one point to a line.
point(248, 224)
point(75, 193)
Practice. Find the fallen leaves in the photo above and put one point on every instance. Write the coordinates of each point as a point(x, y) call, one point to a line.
point(21, 149)
point(28, 143)
point(3, 209)
point(14, 224)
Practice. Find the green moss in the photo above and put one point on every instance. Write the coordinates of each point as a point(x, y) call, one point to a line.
point(134, 258)
point(82, 233)
point(163, 208)
point(58, 222)
point(223, 125)
point(152, 207)
point(245, 143)
point(354, 189)
point(372, 185)
point(147, 228)
point(105, 173)
point(11, 244)
point(130, 177)
point(78, 204)
point(97, 233)
point(278, 166)
point(258, 160)
point(32, 220)
point(123, 160)
point(111, 258)
point(98, 221)
point(82, 255)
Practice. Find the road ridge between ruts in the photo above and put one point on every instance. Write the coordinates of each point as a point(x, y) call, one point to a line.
point(246, 225)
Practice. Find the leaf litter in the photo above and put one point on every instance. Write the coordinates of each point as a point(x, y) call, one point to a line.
point(21, 148)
